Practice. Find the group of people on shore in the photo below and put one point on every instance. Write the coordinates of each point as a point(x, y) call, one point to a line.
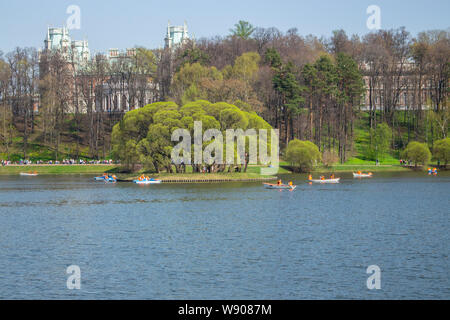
point(57, 162)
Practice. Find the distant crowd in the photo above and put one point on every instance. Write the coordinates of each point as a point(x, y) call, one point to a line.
point(57, 162)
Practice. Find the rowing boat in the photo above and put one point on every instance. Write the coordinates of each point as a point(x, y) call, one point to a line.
point(362, 175)
point(145, 181)
point(106, 179)
point(325, 180)
point(28, 174)
point(279, 186)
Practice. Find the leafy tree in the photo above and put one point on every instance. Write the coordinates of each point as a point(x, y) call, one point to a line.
point(232, 83)
point(273, 58)
point(441, 150)
point(145, 62)
point(245, 67)
point(242, 29)
point(194, 55)
point(158, 147)
point(287, 86)
point(321, 89)
point(144, 135)
point(417, 152)
point(189, 79)
point(381, 139)
point(302, 154)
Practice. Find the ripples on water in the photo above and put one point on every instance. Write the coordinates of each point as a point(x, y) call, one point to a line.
point(225, 241)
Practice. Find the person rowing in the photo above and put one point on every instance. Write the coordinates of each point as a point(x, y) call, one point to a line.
point(310, 177)
point(332, 176)
point(279, 182)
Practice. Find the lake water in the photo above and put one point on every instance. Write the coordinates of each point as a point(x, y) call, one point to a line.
point(225, 241)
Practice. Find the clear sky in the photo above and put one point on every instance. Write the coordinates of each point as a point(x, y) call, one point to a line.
point(127, 23)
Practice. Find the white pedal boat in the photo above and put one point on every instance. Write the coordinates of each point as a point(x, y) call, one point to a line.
point(278, 186)
point(28, 174)
point(362, 175)
point(337, 180)
point(150, 181)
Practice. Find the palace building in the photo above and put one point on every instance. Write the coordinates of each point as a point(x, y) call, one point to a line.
point(176, 35)
point(58, 39)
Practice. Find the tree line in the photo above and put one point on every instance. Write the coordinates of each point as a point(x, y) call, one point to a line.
point(325, 90)
point(330, 91)
point(57, 100)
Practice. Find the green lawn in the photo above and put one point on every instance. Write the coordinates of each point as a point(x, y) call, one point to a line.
point(362, 167)
point(57, 169)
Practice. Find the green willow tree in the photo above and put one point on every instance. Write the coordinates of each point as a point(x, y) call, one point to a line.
point(143, 136)
point(303, 155)
point(441, 151)
point(417, 152)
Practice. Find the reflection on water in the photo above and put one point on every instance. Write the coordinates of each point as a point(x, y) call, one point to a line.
point(225, 240)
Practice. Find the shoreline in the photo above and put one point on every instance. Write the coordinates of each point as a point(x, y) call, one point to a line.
point(253, 175)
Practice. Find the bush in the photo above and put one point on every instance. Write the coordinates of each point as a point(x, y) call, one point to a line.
point(302, 155)
point(417, 152)
point(441, 150)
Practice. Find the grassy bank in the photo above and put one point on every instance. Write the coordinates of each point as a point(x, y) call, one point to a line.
point(364, 168)
point(99, 169)
point(57, 169)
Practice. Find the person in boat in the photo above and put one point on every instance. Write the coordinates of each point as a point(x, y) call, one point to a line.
point(279, 183)
point(290, 183)
point(359, 172)
point(310, 177)
point(332, 176)
point(322, 178)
